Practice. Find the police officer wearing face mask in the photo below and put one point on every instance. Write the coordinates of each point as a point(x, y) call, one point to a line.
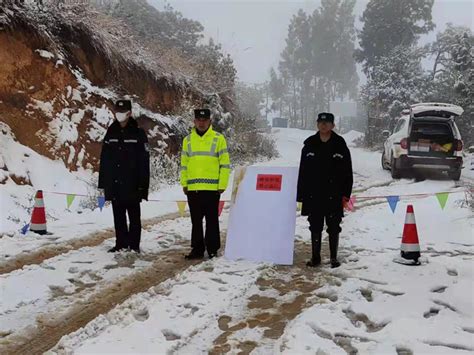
point(125, 175)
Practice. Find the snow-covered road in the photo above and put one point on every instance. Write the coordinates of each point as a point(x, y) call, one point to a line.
point(369, 304)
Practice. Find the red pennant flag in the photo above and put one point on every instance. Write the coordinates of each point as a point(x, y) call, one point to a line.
point(221, 206)
point(351, 203)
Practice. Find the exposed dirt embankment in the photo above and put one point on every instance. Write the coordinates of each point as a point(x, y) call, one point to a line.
point(58, 81)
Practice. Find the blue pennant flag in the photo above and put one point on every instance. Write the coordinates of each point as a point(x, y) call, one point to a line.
point(101, 202)
point(25, 229)
point(392, 201)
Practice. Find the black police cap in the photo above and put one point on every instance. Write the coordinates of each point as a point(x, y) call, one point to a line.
point(123, 105)
point(326, 117)
point(202, 113)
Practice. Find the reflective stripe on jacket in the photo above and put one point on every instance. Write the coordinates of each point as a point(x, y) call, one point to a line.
point(205, 163)
point(124, 171)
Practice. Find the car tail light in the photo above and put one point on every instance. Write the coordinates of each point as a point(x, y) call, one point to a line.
point(458, 145)
point(404, 143)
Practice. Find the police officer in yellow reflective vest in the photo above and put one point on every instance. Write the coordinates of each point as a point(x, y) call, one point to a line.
point(205, 170)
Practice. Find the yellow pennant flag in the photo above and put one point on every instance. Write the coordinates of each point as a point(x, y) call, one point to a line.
point(69, 199)
point(442, 199)
point(181, 207)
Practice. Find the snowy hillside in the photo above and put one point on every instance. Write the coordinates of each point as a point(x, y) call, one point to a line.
point(165, 304)
point(60, 77)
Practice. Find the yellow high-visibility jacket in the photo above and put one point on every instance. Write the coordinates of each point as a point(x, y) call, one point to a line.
point(205, 162)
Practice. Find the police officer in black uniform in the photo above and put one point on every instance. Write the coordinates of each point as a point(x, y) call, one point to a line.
point(324, 185)
point(125, 175)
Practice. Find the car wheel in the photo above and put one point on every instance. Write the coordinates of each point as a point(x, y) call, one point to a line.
point(455, 174)
point(396, 173)
point(384, 163)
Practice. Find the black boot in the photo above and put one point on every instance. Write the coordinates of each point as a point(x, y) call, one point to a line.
point(333, 245)
point(194, 255)
point(115, 249)
point(315, 250)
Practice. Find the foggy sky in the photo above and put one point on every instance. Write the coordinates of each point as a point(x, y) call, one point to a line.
point(254, 32)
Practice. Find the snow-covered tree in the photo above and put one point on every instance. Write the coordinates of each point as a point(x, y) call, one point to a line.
point(214, 67)
point(169, 26)
point(333, 36)
point(391, 59)
point(317, 64)
point(248, 143)
point(398, 80)
point(453, 74)
point(176, 40)
point(294, 63)
point(389, 24)
point(277, 90)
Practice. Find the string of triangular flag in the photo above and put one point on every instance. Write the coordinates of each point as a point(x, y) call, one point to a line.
point(70, 199)
point(392, 200)
point(26, 227)
point(182, 207)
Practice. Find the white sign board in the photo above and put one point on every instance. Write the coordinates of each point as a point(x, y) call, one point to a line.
point(262, 220)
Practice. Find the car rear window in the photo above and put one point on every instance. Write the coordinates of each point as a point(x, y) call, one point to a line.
point(431, 129)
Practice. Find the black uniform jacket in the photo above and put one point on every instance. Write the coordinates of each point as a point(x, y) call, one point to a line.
point(325, 175)
point(125, 163)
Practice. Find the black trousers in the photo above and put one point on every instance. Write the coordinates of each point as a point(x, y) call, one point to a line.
point(204, 204)
point(316, 224)
point(127, 236)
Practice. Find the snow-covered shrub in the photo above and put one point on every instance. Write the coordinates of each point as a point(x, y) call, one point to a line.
point(163, 169)
point(90, 201)
point(249, 147)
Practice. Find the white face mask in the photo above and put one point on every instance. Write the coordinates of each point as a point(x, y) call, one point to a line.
point(121, 116)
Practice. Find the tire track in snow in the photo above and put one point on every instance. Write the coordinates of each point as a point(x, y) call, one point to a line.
point(91, 240)
point(50, 329)
point(293, 289)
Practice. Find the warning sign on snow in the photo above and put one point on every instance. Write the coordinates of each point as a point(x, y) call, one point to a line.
point(269, 182)
point(261, 226)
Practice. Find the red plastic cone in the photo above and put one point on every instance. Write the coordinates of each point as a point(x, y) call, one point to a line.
point(38, 217)
point(410, 248)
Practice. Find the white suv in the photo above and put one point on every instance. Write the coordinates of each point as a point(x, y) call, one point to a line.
point(425, 137)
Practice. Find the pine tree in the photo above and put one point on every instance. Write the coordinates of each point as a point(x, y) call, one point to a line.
point(214, 68)
point(391, 59)
point(398, 80)
point(277, 90)
point(463, 57)
point(389, 24)
point(453, 74)
point(333, 35)
point(317, 64)
point(169, 26)
point(294, 63)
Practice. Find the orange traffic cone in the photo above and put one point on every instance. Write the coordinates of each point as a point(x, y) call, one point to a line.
point(410, 247)
point(38, 217)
